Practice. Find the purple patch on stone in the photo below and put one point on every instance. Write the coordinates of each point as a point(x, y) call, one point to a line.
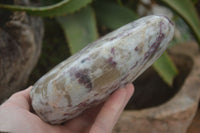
point(111, 62)
point(83, 104)
point(136, 48)
point(83, 78)
point(125, 77)
point(69, 105)
point(154, 47)
point(96, 95)
point(66, 114)
point(112, 51)
point(169, 20)
point(134, 65)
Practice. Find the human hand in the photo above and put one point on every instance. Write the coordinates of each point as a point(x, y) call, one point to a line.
point(15, 115)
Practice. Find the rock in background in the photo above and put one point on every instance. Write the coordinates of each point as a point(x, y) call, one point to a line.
point(20, 46)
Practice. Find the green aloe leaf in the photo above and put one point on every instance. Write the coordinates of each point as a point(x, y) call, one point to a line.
point(113, 15)
point(49, 2)
point(166, 68)
point(61, 8)
point(187, 10)
point(79, 28)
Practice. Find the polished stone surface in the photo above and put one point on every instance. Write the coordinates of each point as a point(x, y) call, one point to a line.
point(88, 77)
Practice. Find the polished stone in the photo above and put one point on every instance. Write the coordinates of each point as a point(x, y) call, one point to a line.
point(90, 76)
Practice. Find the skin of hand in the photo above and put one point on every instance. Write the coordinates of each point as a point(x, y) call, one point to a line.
point(15, 115)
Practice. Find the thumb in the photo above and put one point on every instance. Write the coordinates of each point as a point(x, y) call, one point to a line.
point(20, 99)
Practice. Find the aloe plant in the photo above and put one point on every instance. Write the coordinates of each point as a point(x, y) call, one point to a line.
point(80, 28)
point(61, 8)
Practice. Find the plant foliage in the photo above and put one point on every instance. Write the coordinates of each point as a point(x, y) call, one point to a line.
point(61, 8)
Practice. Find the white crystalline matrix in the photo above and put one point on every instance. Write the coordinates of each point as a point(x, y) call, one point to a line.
point(90, 76)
